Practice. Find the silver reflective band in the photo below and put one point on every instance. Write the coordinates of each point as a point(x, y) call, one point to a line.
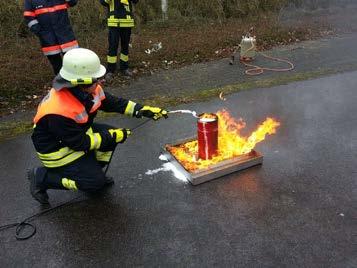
point(81, 117)
point(32, 23)
point(96, 100)
point(101, 94)
point(96, 141)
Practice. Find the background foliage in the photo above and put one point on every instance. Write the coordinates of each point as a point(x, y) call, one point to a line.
point(197, 31)
point(89, 15)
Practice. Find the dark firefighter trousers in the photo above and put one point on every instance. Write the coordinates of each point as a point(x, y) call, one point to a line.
point(115, 35)
point(85, 174)
point(56, 62)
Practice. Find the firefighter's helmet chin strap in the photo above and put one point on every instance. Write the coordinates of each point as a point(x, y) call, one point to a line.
point(83, 81)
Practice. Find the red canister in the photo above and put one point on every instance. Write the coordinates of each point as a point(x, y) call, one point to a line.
point(207, 135)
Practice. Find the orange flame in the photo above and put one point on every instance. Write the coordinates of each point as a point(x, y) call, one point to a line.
point(230, 142)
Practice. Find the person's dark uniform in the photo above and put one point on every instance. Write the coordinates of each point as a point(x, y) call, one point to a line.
point(71, 147)
point(120, 21)
point(49, 21)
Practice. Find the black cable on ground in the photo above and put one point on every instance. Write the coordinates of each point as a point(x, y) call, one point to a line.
point(134, 128)
point(25, 224)
point(141, 124)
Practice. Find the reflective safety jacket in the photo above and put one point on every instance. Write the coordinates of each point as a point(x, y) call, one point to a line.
point(119, 12)
point(49, 20)
point(62, 130)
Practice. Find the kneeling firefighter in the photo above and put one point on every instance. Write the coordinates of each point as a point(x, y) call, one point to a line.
point(72, 148)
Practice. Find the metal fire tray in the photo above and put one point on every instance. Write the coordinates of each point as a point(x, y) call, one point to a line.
point(217, 170)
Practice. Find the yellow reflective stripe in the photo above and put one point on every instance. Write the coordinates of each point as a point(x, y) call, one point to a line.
point(34, 126)
point(61, 157)
point(95, 140)
point(69, 184)
point(82, 81)
point(113, 22)
point(129, 110)
point(126, 23)
point(111, 6)
point(56, 155)
point(124, 57)
point(112, 59)
point(89, 131)
point(92, 141)
point(103, 156)
point(112, 19)
point(63, 161)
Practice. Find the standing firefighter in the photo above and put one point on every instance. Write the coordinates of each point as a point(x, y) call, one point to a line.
point(120, 21)
point(72, 148)
point(50, 22)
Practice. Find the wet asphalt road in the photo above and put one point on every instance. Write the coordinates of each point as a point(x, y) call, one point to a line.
point(297, 210)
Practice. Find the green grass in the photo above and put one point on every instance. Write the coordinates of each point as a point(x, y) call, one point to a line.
point(9, 130)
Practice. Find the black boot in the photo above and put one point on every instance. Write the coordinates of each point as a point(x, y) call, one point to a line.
point(36, 191)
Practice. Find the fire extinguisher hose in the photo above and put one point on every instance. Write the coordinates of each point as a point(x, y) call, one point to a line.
point(257, 70)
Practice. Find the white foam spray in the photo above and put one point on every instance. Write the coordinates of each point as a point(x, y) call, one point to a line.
point(167, 167)
point(194, 114)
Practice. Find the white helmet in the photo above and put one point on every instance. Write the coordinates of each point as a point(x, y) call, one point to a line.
point(81, 64)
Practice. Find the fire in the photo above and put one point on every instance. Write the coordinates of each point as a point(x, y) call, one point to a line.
point(230, 142)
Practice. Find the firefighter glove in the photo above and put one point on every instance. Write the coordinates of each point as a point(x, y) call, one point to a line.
point(151, 112)
point(120, 134)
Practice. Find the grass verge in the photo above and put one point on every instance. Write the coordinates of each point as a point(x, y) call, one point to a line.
point(10, 130)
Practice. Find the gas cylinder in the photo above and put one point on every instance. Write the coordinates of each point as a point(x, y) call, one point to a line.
point(207, 135)
point(247, 48)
